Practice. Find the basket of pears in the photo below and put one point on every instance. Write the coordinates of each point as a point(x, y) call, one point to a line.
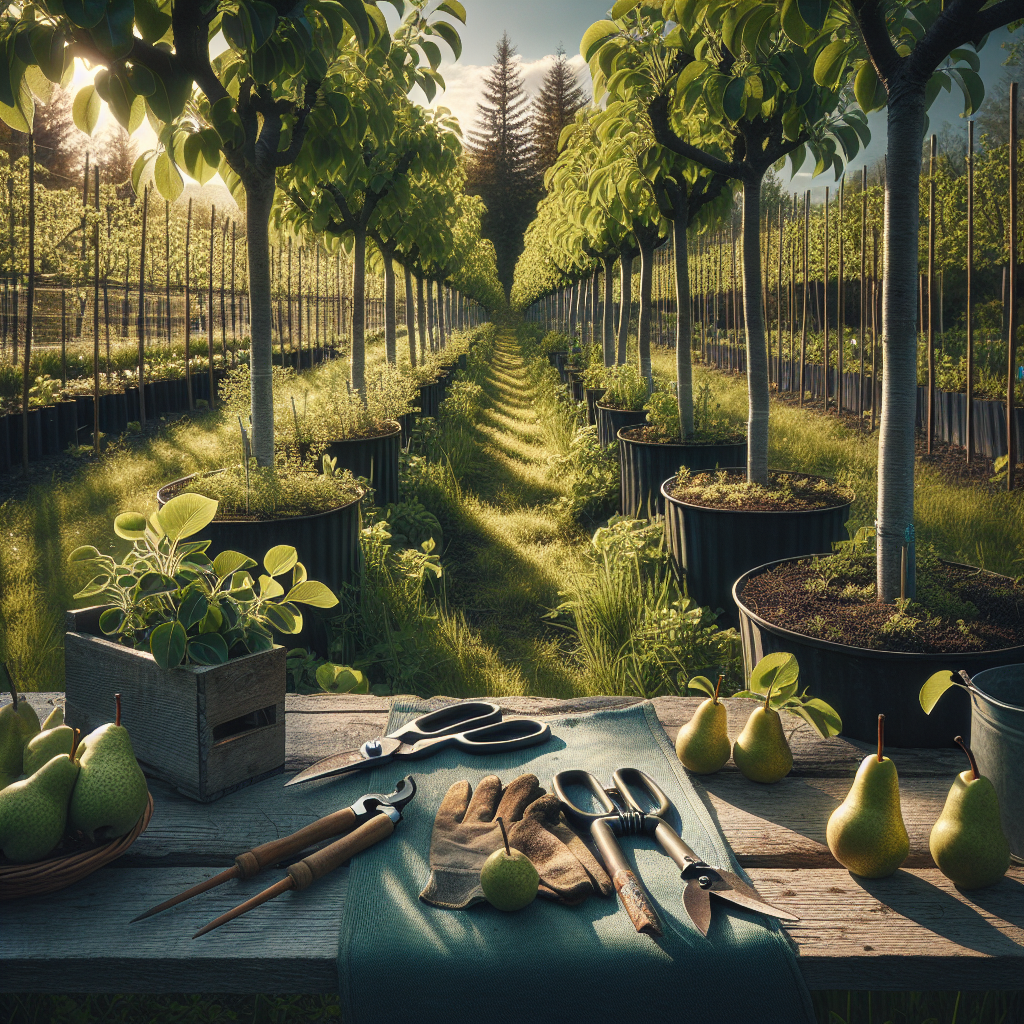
point(68, 804)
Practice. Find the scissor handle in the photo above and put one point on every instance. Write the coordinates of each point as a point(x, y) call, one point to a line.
point(495, 738)
point(578, 777)
point(626, 779)
point(470, 714)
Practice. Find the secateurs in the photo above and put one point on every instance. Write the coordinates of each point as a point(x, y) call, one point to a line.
point(367, 821)
point(621, 815)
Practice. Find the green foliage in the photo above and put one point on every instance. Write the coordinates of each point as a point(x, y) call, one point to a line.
point(555, 341)
point(775, 679)
point(625, 388)
point(590, 477)
point(172, 599)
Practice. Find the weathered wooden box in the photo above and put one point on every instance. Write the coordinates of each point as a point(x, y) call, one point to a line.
point(205, 730)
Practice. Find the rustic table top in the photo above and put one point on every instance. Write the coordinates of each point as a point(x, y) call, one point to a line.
point(913, 931)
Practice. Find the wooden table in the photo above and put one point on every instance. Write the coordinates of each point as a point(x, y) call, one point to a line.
point(912, 931)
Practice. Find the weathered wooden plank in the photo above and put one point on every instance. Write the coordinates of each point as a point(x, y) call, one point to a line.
point(913, 931)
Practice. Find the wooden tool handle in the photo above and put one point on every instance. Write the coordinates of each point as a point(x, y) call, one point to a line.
point(634, 899)
point(316, 865)
point(259, 858)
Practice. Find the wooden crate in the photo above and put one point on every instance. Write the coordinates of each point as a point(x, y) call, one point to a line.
point(206, 730)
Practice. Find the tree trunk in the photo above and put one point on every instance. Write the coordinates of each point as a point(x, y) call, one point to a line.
point(389, 310)
point(421, 315)
point(439, 291)
point(899, 339)
point(684, 324)
point(357, 374)
point(625, 302)
point(757, 354)
point(430, 316)
point(594, 307)
point(410, 317)
point(608, 334)
point(259, 198)
point(643, 331)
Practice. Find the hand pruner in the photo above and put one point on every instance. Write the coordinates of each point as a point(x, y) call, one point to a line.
point(701, 879)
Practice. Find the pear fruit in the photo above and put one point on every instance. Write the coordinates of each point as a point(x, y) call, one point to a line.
point(33, 813)
point(46, 744)
point(111, 793)
point(54, 718)
point(967, 841)
point(508, 878)
point(865, 832)
point(703, 744)
point(761, 750)
point(18, 724)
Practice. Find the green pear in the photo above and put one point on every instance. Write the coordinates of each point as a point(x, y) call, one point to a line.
point(508, 878)
point(33, 813)
point(967, 841)
point(761, 750)
point(703, 744)
point(46, 744)
point(865, 832)
point(18, 724)
point(54, 718)
point(111, 793)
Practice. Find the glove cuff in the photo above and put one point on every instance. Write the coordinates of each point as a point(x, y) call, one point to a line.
point(453, 890)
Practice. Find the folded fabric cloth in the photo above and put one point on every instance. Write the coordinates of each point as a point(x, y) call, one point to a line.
point(466, 833)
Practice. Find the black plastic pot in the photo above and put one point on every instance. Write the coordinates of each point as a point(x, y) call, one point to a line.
point(67, 424)
point(49, 431)
point(644, 465)
point(431, 396)
point(592, 396)
point(110, 418)
point(5, 444)
point(35, 436)
point(405, 422)
point(375, 458)
point(83, 413)
point(862, 684)
point(711, 548)
point(576, 384)
point(555, 358)
point(611, 421)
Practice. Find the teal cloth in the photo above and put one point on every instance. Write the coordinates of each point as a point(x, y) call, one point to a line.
point(400, 959)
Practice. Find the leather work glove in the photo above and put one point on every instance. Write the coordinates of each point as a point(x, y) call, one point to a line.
point(466, 833)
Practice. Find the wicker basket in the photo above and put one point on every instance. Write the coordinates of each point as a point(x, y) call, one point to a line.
point(43, 876)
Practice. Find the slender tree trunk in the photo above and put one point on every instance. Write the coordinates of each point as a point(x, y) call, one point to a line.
point(390, 352)
point(439, 291)
point(757, 354)
point(357, 374)
point(595, 310)
point(141, 321)
point(410, 317)
point(684, 324)
point(259, 197)
point(421, 314)
point(608, 327)
point(625, 302)
point(643, 331)
point(430, 316)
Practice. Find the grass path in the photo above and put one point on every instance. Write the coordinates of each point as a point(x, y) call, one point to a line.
point(510, 550)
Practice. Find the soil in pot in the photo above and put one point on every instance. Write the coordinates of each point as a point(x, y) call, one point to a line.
point(718, 527)
point(867, 659)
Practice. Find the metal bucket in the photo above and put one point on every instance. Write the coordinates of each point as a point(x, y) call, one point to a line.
point(997, 739)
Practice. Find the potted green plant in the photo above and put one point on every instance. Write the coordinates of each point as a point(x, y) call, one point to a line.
point(188, 640)
point(622, 405)
point(652, 452)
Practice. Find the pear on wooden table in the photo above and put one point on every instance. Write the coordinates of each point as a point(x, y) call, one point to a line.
point(967, 841)
point(53, 719)
point(46, 744)
point(703, 744)
point(110, 794)
point(761, 750)
point(865, 832)
point(33, 812)
point(18, 724)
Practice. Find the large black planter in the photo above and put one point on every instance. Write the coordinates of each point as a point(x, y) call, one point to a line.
point(555, 358)
point(576, 386)
point(406, 423)
point(67, 424)
point(431, 396)
point(35, 435)
point(5, 443)
point(593, 396)
point(375, 458)
point(645, 465)
point(862, 684)
point(611, 421)
point(711, 548)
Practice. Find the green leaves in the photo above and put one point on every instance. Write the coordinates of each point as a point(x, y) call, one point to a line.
point(341, 679)
point(167, 177)
point(207, 649)
point(280, 559)
point(85, 13)
point(85, 110)
point(934, 687)
point(868, 89)
point(971, 86)
point(186, 514)
point(167, 644)
point(831, 63)
point(454, 8)
point(130, 525)
point(778, 674)
point(596, 36)
point(312, 593)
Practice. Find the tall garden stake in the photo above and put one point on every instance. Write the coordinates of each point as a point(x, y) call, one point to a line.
point(141, 317)
point(930, 410)
point(209, 312)
point(26, 375)
point(1014, 278)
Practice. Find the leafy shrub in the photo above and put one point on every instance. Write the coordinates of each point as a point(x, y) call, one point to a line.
point(626, 388)
point(555, 341)
point(590, 475)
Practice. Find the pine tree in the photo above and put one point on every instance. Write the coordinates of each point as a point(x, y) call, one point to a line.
point(560, 97)
point(501, 168)
point(58, 143)
point(117, 158)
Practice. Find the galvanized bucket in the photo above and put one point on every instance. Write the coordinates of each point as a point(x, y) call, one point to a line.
point(997, 739)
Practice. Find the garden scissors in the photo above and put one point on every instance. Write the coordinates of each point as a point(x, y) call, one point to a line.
point(474, 726)
point(701, 879)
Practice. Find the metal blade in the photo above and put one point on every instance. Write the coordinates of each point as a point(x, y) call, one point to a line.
point(733, 888)
point(697, 902)
point(347, 761)
point(210, 883)
point(276, 889)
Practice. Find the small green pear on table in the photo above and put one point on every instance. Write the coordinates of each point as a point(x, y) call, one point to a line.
point(508, 878)
point(111, 791)
point(703, 744)
point(18, 724)
point(33, 812)
point(865, 832)
point(967, 841)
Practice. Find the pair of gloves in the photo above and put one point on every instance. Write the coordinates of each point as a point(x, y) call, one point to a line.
point(466, 833)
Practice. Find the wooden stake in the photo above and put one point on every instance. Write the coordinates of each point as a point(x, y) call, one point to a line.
point(1011, 351)
point(209, 311)
point(969, 425)
point(930, 411)
point(141, 318)
point(26, 375)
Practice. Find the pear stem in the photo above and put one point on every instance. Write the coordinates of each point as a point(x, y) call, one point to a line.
point(74, 744)
point(117, 713)
point(504, 836)
point(959, 740)
point(768, 695)
point(881, 735)
point(718, 686)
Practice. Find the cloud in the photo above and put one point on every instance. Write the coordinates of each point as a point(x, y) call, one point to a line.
point(465, 86)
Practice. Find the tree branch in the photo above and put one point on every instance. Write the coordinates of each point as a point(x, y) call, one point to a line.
point(871, 20)
point(664, 135)
point(300, 128)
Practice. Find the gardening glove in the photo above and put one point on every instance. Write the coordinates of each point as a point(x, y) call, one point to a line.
point(466, 833)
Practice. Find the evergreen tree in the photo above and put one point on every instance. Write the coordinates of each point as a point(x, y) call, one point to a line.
point(117, 158)
point(58, 143)
point(501, 167)
point(560, 97)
